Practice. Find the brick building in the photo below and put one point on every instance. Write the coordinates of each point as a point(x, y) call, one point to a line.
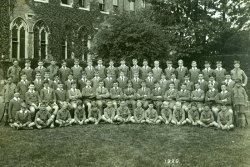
point(40, 28)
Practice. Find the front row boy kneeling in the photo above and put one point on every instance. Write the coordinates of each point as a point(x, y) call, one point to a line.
point(176, 115)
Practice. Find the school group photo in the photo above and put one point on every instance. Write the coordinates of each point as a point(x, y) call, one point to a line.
point(98, 93)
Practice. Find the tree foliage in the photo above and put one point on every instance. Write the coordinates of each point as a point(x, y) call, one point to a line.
point(129, 36)
point(202, 27)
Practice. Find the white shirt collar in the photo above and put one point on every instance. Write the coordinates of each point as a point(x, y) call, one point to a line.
point(31, 91)
point(212, 90)
point(16, 98)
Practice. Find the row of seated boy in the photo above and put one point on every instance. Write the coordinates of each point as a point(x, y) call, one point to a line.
point(177, 116)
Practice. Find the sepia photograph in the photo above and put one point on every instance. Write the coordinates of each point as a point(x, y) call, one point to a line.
point(124, 83)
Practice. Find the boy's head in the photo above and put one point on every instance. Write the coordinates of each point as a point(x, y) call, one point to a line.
point(111, 63)
point(16, 94)
point(210, 86)
point(60, 85)
point(194, 64)
point(56, 78)
point(38, 75)
point(178, 105)
point(83, 74)
point(53, 62)
point(123, 104)
point(157, 85)
point(180, 62)
point(136, 75)
point(218, 64)
point(99, 62)
point(223, 108)
point(211, 78)
point(193, 106)
point(165, 104)
point(109, 104)
point(134, 61)
point(129, 84)
point(183, 86)
point(145, 62)
point(101, 84)
point(64, 105)
point(223, 87)
point(156, 63)
point(27, 63)
point(79, 104)
point(150, 74)
point(31, 87)
point(89, 63)
point(23, 76)
point(46, 83)
point(121, 74)
point(228, 76)
point(173, 76)
point(115, 84)
point(76, 62)
point(88, 83)
point(73, 84)
point(186, 78)
point(96, 74)
point(171, 85)
point(236, 64)
point(206, 108)
point(197, 86)
point(207, 64)
point(150, 105)
point(9, 80)
point(169, 63)
point(64, 63)
point(109, 74)
point(15, 63)
point(42, 107)
point(200, 76)
point(238, 83)
point(143, 84)
point(138, 104)
point(23, 106)
point(40, 63)
point(123, 62)
point(163, 76)
point(46, 75)
point(70, 77)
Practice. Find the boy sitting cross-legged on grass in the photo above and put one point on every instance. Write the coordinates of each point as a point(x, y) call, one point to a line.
point(178, 115)
point(225, 119)
point(151, 115)
point(207, 117)
point(63, 117)
point(139, 114)
point(123, 113)
point(23, 119)
point(166, 113)
point(43, 118)
point(109, 113)
point(79, 114)
point(193, 115)
point(94, 115)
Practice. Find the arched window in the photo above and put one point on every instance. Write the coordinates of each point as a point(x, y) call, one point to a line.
point(85, 39)
point(18, 39)
point(40, 40)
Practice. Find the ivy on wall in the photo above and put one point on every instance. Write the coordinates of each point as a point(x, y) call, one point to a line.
point(6, 8)
point(66, 23)
point(69, 23)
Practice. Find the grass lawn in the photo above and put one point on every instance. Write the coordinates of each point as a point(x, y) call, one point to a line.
point(124, 146)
